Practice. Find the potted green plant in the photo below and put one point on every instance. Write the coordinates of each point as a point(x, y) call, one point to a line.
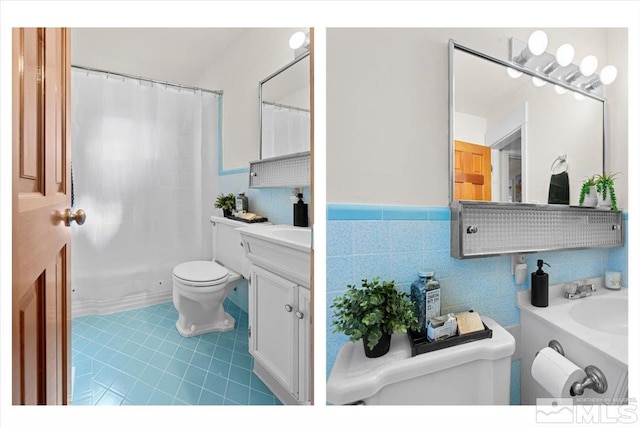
point(588, 192)
point(606, 191)
point(372, 312)
point(226, 203)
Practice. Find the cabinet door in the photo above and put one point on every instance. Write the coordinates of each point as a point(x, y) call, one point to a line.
point(274, 326)
point(304, 344)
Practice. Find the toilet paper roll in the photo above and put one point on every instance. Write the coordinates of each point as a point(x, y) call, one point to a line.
point(555, 373)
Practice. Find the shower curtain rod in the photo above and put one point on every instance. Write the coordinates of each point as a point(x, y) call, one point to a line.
point(289, 107)
point(143, 79)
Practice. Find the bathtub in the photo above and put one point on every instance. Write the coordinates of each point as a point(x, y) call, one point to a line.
point(102, 291)
point(592, 331)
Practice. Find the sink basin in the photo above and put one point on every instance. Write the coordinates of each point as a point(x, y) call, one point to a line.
point(606, 315)
point(283, 249)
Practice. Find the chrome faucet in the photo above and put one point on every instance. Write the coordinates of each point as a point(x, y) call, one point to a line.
point(575, 290)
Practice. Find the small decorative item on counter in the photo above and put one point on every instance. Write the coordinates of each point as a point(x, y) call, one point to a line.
point(226, 203)
point(442, 327)
point(606, 192)
point(242, 203)
point(612, 279)
point(425, 294)
point(588, 192)
point(469, 322)
point(300, 213)
point(540, 286)
point(372, 312)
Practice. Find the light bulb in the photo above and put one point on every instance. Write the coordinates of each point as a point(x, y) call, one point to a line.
point(559, 89)
point(537, 42)
point(538, 81)
point(578, 96)
point(564, 55)
point(513, 73)
point(588, 65)
point(297, 40)
point(608, 74)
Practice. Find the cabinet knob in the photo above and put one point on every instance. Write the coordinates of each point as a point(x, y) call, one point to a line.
point(288, 308)
point(299, 314)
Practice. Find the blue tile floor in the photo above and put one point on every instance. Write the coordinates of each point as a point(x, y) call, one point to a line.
point(137, 357)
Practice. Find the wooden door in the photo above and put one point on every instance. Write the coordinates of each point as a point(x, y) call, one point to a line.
point(41, 193)
point(472, 171)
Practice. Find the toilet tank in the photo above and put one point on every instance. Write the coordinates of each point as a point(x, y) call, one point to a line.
point(474, 373)
point(226, 245)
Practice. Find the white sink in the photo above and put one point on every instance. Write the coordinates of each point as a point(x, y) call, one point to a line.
point(604, 314)
point(287, 235)
point(284, 249)
point(600, 321)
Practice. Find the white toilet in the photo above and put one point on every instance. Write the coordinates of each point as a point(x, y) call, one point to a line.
point(200, 287)
point(475, 373)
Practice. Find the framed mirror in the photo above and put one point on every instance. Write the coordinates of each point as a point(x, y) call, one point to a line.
point(285, 119)
point(508, 135)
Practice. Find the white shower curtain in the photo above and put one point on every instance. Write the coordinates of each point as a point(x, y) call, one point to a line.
point(143, 160)
point(290, 127)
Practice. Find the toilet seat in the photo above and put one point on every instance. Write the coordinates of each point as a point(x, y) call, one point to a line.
point(201, 273)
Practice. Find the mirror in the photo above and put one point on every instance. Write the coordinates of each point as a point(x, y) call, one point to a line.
point(509, 136)
point(285, 124)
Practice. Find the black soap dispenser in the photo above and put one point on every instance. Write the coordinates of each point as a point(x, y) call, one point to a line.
point(540, 286)
point(300, 213)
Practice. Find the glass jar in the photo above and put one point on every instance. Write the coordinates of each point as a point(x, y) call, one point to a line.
point(425, 293)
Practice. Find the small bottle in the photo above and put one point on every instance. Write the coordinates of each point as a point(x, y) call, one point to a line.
point(540, 286)
point(300, 213)
point(242, 203)
point(425, 293)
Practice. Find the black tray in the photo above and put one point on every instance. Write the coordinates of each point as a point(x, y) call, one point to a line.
point(248, 221)
point(420, 344)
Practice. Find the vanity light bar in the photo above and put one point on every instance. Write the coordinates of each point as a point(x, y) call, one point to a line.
point(558, 68)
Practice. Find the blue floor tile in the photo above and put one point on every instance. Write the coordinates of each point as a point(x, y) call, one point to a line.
point(137, 357)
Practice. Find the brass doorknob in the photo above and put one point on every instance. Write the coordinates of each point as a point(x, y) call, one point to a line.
point(79, 217)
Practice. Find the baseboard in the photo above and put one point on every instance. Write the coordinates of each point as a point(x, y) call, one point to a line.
point(89, 307)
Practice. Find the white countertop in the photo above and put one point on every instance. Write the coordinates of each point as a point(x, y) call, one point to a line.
point(298, 238)
point(558, 314)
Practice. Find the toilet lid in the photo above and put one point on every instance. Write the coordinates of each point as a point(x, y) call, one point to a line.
point(201, 271)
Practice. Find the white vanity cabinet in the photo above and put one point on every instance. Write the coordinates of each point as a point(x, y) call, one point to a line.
point(280, 310)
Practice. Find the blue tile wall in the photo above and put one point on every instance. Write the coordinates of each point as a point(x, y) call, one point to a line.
point(273, 203)
point(394, 242)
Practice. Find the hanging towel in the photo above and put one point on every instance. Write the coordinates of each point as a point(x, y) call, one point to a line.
point(559, 189)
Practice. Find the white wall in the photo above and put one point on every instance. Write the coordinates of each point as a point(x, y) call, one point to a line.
point(387, 108)
point(470, 128)
point(258, 53)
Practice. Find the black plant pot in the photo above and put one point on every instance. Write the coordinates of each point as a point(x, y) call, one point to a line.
point(380, 349)
point(226, 213)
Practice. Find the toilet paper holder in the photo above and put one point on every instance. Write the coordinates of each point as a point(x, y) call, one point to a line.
point(595, 379)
